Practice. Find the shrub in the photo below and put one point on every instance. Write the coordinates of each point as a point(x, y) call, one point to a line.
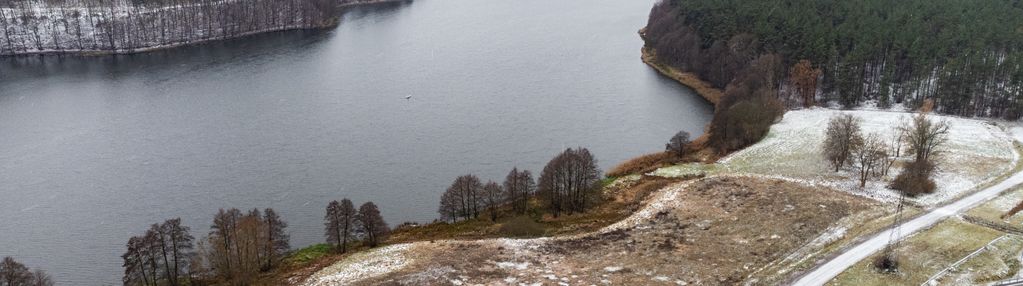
point(915, 179)
point(641, 164)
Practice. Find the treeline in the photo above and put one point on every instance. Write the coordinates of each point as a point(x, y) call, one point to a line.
point(964, 55)
point(13, 273)
point(35, 26)
point(238, 248)
point(569, 183)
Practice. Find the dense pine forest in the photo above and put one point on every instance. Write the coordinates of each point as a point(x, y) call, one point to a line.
point(964, 55)
point(34, 26)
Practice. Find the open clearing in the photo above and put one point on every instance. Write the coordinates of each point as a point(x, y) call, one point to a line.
point(712, 231)
point(977, 152)
point(931, 251)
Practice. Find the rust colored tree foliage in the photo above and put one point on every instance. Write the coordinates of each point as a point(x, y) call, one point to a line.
point(239, 246)
point(803, 77)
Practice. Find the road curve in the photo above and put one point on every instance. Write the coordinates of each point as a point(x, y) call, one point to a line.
point(827, 271)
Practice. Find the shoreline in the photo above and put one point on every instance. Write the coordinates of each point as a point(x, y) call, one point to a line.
point(332, 24)
point(690, 80)
point(92, 53)
point(699, 86)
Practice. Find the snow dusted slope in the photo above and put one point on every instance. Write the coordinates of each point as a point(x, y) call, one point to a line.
point(977, 152)
point(121, 26)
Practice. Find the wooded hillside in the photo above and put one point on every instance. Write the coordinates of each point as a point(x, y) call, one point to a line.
point(966, 55)
point(32, 26)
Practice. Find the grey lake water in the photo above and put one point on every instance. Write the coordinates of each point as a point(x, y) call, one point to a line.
point(94, 149)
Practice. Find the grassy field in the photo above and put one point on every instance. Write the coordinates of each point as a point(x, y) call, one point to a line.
point(998, 261)
point(976, 152)
point(923, 255)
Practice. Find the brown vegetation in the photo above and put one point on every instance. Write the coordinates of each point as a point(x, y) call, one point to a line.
point(924, 139)
point(642, 164)
point(13, 273)
point(570, 182)
point(160, 256)
point(727, 229)
point(340, 223)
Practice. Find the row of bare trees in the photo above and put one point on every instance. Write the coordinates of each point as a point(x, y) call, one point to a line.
point(238, 247)
point(468, 197)
point(13, 273)
point(569, 183)
point(874, 155)
point(33, 26)
point(160, 256)
point(344, 224)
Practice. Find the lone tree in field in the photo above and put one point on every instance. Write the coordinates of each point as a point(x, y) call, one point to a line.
point(678, 144)
point(340, 223)
point(492, 197)
point(869, 157)
point(519, 187)
point(373, 227)
point(924, 139)
point(841, 139)
point(570, 182)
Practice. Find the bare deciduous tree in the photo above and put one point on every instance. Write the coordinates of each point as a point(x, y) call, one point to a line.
point(492, 197)
point(463, 198)
point(340, 223)
point(924, 137)
point(14, 273)
point(278, 241)
point(160, 256)
point(893, 150)
point(519, 187)
point(678, 144)
point(570, 182)
point(373, 227)
point(236, 249)
point(868, 157)
point(841, 139)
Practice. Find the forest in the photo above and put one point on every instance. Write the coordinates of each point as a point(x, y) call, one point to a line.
point(59, 26)
point(963, 55)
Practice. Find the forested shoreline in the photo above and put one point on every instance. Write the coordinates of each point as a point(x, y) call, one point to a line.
point(126, 26)
point(965, 56)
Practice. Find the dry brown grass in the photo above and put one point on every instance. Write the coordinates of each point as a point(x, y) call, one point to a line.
point(641, 164)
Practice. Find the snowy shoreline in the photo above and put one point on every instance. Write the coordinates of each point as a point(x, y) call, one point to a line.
point(36, 28)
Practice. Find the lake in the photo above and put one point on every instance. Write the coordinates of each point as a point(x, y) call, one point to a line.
point(94, 149)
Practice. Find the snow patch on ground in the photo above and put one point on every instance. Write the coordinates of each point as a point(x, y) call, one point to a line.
point(362, 265)
point(977, 152)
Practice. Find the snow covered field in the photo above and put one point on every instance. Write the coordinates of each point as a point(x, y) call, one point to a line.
point(976, 153)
